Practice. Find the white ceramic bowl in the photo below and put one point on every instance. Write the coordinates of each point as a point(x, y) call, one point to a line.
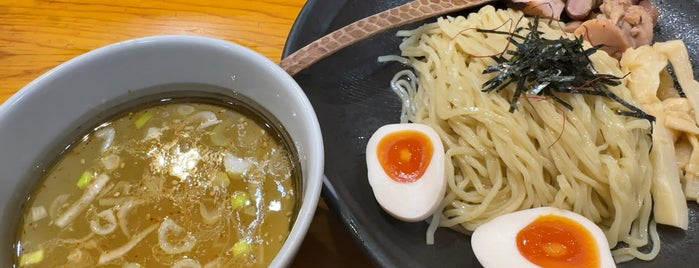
point(41, 113)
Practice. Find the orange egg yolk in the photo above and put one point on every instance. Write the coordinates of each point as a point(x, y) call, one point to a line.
point(405, 155)
point(556, 241)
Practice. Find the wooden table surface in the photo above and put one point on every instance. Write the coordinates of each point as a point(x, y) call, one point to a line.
point(37, 35)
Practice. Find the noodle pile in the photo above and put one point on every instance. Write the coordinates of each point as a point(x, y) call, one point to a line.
point(589, 160)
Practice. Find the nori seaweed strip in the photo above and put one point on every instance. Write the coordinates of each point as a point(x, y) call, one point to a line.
point(548, 67)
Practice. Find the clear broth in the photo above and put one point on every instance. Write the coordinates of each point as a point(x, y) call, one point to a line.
point(225, 184)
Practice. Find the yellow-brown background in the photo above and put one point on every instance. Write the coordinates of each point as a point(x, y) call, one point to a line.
point(37, 35)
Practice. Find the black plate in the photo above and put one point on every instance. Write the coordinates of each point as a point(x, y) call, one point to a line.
point(350, 93)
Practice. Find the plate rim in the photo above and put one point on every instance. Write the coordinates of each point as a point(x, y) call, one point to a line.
point(369, 244)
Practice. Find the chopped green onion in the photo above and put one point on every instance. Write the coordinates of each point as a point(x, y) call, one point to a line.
point(241, 247)
point(143, 119)
point(240, 199)
point(84, 180)
point(32, 258)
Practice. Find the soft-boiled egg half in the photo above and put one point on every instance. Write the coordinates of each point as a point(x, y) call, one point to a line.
point(405, 165)
point(541, 237)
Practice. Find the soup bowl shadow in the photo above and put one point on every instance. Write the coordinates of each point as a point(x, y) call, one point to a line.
point(58, 103)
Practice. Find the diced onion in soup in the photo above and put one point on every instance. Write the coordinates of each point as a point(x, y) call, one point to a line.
point(78, 256)
point(108, 227)
point(37, 213)
point(107, 257)
point(218, 136)
point(168, 227)
point(207, 119)
point(90, 193)
point(234, 164)
point(111, 162)
point(107, 134)
point(186, 263)
point(123, 213)
point(153, 133)
point(210, 216)
point(56, 205)
point(185, 109)
point(221, 180)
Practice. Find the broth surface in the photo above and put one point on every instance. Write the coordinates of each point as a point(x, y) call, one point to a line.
point(188, 184)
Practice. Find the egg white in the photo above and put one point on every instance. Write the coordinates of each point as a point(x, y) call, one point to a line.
point(495, 242)
point(414, 201)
